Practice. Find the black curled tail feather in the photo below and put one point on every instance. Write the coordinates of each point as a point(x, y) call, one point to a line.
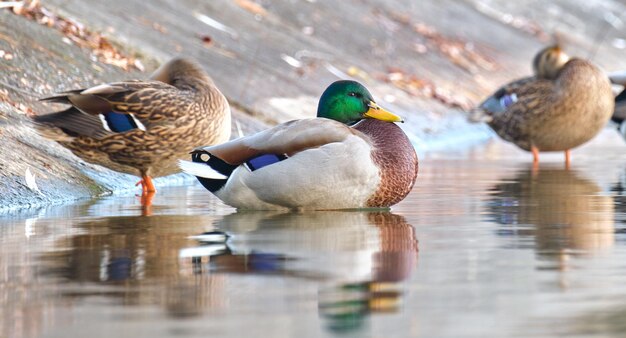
point(620, 108)
point(216, 164)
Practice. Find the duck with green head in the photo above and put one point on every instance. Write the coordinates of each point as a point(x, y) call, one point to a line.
point(351, 156)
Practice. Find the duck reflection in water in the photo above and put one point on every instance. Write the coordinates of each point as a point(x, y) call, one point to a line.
point(133, 260)
point(619, 190)
point(357, 258)
point(354, 259)
point(564, 212)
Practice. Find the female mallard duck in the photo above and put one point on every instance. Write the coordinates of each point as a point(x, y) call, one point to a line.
point(564, 105)
point(142, 127)
point(348, 157)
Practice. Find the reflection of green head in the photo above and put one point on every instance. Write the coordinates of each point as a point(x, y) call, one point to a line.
point(349, 102)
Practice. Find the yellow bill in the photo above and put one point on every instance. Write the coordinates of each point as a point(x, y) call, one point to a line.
point(376, 112)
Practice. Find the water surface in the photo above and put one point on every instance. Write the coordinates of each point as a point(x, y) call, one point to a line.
point(483, 247)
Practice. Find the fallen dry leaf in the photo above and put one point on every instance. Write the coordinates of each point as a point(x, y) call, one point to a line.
point(76, 33)
point(290, 60)
point(159, 28)
point(251, 7)
point(6, 55)
point(206, 40)
point(216, 24)
point(358, 72)
point(517, 22)
point(19, 107)
point(30, 181)
point(415, 86)
point(461, 53)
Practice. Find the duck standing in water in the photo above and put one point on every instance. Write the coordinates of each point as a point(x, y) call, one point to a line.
point(566, 103)
point(351, 156)
point(142, 127)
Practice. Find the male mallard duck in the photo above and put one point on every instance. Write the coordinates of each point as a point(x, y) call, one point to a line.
point(619, 115)
point(142, 127)
point(348, 157)
point(564, 105)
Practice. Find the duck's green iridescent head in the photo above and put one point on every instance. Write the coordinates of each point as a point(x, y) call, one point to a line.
point(349, 102)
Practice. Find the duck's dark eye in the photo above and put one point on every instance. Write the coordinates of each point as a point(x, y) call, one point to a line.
point(351, 94)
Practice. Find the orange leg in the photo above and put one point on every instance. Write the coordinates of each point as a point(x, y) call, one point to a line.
point(146, 184)
point(144, 189)
point(567, 159)
point(535, 157)
point(147, 194)
point(146, 203)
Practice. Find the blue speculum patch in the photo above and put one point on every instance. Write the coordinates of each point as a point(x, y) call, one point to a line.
point(119, 122)
point(508, 100)
point(264, 160)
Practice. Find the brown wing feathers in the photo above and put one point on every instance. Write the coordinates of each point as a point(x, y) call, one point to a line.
point(74, 123)
point(287, 138)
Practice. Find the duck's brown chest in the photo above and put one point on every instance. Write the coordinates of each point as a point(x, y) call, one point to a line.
point(395, 156)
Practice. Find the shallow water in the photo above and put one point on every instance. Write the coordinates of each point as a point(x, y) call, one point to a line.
point(483, 247)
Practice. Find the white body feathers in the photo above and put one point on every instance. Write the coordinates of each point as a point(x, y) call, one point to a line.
point(336, 175)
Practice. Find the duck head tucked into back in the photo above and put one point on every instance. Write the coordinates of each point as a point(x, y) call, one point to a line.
point(351, 156)
point(549, 61)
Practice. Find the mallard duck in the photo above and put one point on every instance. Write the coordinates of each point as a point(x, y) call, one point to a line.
point(565, 104)
point(350, 156)
point(619, 115)
point(142, 127)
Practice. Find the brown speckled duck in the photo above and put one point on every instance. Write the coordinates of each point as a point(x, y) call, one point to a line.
point(350, 156)
point(566, 103)
point(142, 127)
